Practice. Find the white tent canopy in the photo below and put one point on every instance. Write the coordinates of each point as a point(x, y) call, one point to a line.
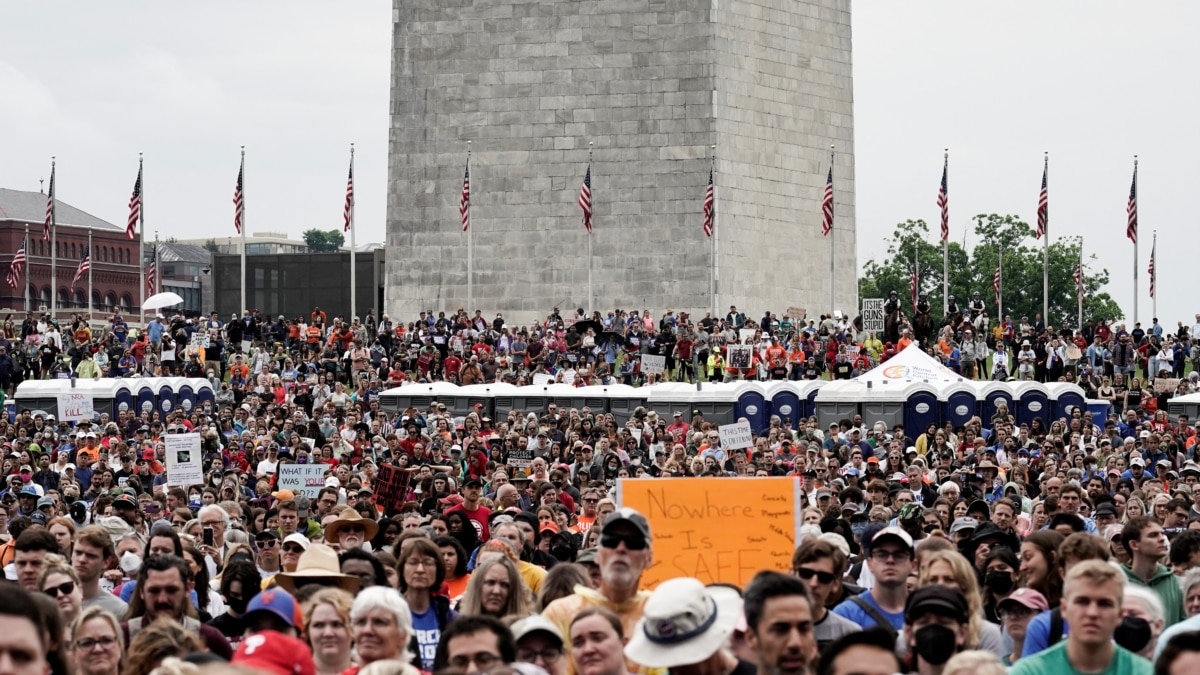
point(910, 364)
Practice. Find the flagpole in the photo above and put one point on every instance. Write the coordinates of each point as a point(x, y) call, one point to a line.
point(242, 171)
point(1045, 251)
point(945, 245)
point(54, 245)
point(158, 272)
point(1154, 276)
point(470, 248)
point(141, 245)
point(91, 264)
point(28, 264)
point(832, 235)
point(1000, 290)
point(353, 250)
point(1135, 248)
point(712, 249)
point(591, 297)
point(1079, 288)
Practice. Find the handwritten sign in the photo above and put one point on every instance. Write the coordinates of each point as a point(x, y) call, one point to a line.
point(74, 406)
point(305, 479)
point(543, 378)
point(745, 335)
point(872, 314)
point(185, 464)
point(520, 457)
point(391, 487)
point(797, 313)
point(734, 436)
point(653, 365)
point(716, 529)
point(1166, 384)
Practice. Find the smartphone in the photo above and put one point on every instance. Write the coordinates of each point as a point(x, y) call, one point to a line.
point(208, 536)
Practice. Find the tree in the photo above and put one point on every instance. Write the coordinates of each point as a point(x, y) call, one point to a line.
point(211, 246)
point(973, 271)
point(324, 241)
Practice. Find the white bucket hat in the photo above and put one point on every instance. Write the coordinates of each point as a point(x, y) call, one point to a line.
point(684, 623)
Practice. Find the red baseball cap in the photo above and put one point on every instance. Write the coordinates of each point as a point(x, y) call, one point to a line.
point(275, 653)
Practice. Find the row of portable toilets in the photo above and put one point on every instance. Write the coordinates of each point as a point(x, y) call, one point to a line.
point(915, 404)
point(112, 395)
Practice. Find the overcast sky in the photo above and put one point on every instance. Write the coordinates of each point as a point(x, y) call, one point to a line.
point(296, 82)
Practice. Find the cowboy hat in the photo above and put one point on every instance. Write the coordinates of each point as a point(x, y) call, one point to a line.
point(347, 518)
point(683, 623)
point(320, 564)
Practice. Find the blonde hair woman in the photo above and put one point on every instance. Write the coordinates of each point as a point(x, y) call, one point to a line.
point(950, 568)
point(327, 628)
point(1134, 508)
point(97, 643)
point(496, 588)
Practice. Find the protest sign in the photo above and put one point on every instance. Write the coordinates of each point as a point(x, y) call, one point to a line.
point(74, 406)
point(740, 356)
point(302, 479)
point(745, 335)
point(653, 365)
point(872, 314)
point(1074, 353)
point(797, 313)
point(716, 529)
point(520, 457)
point(734, 436)
point(1164, 384)
point(543, 378)
point(185, 464)
point(391, 487)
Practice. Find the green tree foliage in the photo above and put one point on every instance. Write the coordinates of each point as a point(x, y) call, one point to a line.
point(324, 241)
point(211, 246)
point(971, 271)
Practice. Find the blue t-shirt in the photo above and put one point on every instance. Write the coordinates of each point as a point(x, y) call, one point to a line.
point(850, 610)
point(428, 634)
point(1037, 634)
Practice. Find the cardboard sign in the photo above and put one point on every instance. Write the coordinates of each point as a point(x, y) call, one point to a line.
point(797, 313)
point(1169, 384)
point(199, 339)
point(746, 334)
point(716, 529)
point(740, 356)
point(185, 465)
point(653, 365)
point(872, 314)
point(543, 378)
point(302, 479)
point(75, 406)
point(520, 457)
point(734, 436)
point(1074, 353)
point(391, 487)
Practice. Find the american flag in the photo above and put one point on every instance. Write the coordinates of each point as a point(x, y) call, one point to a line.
point(1043, 209)
point(464, 199)
point(912, 287)
point(708, 206)
point(49, 208)
point(17, 267)
point(1153, 254)
point(348, 211)
point(996, 285)
point(944, 200)
point(1079, 279)
point(827, 205)
point(585, 199)
point(1130, 209)
point(150, 272)
point(85, 264)
point(135, 207)
point(239, 199)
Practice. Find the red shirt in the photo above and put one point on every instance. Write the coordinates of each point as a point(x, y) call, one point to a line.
point(479, 517)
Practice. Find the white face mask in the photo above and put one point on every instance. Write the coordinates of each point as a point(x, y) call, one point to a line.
point(130, 563)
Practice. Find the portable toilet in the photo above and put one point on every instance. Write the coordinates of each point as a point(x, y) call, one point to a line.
point(623, 400)
point(103, 392)
point(146, 395)
point(838, 400)
point(164, 393)
point(476, 395)
point(1180, 405)
point(1065, 397)
point(205, 396)
point(990, 396)
point(530, 399)
point(1033, 402)
point(808, 395)
point(783, 400)
point(487, 394)
point(884, 402)
point(502, 399)
point(718, 402)
point(395, 399)
point(566, 396)
point(123, 396)
point(668, 397)
point(457, 404)
point(959, 402)
point(751, 403)
point(187, 395)
point(36, 396)
point(921, 405)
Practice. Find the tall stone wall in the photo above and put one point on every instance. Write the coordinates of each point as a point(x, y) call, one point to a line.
point(652, 85)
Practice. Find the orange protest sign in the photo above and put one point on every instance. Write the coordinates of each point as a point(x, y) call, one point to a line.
point(716, 529)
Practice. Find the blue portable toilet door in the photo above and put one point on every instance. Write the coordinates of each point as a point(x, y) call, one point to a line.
point(992, 402)
point(1068, 401)
point(809, 404)
point(753, 406)
point(123, 400)
point(187, 398)
point(166, 398)
point(145, 400)
point(1034, 405)
point(960, 407)
point(206, 396)
point(920, 410)
point(786, 404)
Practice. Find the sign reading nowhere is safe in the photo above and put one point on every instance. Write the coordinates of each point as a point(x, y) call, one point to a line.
point(716, 529)
point(872, 314)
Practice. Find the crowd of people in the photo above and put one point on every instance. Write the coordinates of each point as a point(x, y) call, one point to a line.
point(1062, 546)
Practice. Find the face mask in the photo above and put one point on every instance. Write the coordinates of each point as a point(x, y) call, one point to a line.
point(858, 528)
point(936, 644)
point(930, 527)
point(561, 553)
point(1133, 633)
point(999, 583)
point(130, 563)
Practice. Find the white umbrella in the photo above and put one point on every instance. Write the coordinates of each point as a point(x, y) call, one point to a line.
point(160, 300)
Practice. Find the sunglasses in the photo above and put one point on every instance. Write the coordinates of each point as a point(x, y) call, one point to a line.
point(293, 548)
point(806, 574)
point(268, 543)
point(632, 542)
point(66, 588)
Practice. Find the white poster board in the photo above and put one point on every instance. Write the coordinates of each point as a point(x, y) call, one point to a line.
point(734, 436)
point(872, 314)
point(185, 465)
point(74, 406)
point(653, 365)
point(740, 356)
point(543, 378)
point(746, 334)
point(302, 479)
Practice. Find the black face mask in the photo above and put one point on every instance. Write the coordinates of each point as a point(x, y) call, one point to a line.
point(238, 605)
point(936, 644)
point(1133, 633)
point(999, 583)
point(561, 553)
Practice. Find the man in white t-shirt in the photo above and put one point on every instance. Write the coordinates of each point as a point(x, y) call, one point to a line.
point(267, 466)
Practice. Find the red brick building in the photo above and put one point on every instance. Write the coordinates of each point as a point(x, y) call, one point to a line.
point(115, 259)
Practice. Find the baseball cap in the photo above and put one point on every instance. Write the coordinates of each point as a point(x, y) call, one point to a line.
point(536, 623)
point(911, 511)
point(963, 523)
point(1026, 597)
point(278, 602)
point(893, 533)
point(298, 539)
point(45, 501)
point(944, 601)
point(1105, 509)
point(1136, 460)
point(272, 652)
point(284, 495)
point(629, 515)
